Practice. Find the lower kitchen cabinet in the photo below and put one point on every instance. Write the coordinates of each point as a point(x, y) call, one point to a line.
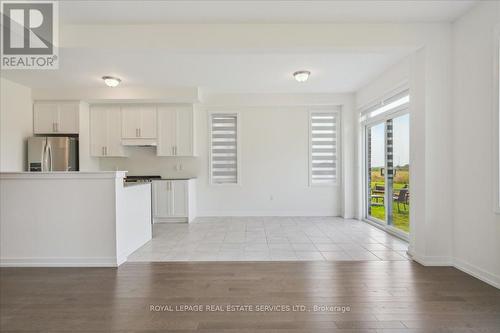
point(174, 200)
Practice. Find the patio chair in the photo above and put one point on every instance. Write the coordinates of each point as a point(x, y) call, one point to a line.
point(402, 198)
point(378, 194)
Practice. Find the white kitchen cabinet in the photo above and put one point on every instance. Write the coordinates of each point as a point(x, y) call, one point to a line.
point(148, 122)
point(56, 117)
point(179, 190)
point(175, 131)
point(139, 122)
point(173, 200)
point(105, 131)
point(131, 121)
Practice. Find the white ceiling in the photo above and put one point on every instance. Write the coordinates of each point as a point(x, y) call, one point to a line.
point(261, 11)
point(230, 73)
point(241, 72)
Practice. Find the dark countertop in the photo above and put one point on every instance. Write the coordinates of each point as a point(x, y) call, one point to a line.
point(174, 178)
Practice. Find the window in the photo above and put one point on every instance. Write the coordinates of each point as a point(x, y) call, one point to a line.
point(224, 168)
point(387, 188)
point(323, 148)
point(389, 105)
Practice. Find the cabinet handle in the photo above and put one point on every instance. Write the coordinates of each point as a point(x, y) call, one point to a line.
point(140, 134)
point(57, 127)
point(53, 127)
point(106, 150)
point(175, 150)
point(102, 151)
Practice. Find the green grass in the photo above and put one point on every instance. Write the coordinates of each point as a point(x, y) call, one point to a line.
point(401, 218)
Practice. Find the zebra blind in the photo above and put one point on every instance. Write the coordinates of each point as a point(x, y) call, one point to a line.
point(323, 147)
point(224, 148)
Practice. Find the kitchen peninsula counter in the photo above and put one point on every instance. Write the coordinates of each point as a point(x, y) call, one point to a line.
point(71, 218)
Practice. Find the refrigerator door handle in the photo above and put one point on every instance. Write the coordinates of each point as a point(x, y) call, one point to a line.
point(49, 150)
point(45, 166)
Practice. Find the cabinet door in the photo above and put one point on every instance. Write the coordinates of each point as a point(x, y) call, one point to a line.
point(114, 145)
point(162, 199)
point(131, 121)
point(184, 132)
point(98, 136)
point(45, 118)
point(148, 122)
point(179, 191)
point(68, 118)
point(166, 131)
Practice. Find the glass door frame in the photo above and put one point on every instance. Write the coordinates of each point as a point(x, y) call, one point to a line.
point(367, 176)
point(365, 126)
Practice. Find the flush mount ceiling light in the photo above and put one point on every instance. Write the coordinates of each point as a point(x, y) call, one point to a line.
point(301, 76)
point(111, 81)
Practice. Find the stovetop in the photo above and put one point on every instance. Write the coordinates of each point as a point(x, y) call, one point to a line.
point(141, 179)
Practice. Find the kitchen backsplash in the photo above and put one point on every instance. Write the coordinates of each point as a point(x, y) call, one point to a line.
point(143, 161)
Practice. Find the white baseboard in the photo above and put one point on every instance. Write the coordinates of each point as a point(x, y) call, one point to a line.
point(267, 213)
point(487, 277)
point(431, 260)
point(121, 260)
point(157, 220)
point(478, 273)
point(59, 262)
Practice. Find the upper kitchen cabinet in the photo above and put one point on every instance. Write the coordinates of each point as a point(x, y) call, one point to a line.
point(56, 117)
point(105, 131)
point(176, 131)
point(139, 124)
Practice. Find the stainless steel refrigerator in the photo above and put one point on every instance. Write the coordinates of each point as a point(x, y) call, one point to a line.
point(51, 153)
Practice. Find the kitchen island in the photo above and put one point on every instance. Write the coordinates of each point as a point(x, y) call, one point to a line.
point(79, 219)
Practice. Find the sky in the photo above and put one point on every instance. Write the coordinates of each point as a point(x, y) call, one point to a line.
point(401, 141)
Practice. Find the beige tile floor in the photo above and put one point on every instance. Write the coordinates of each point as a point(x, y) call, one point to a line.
point(270, 239)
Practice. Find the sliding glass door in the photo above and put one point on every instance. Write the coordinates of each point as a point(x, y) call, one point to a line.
point(375, 174)
point(387, 165)
point(401, 169)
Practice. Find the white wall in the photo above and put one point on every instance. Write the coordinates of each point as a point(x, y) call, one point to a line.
point(274, 139)
point(143, 161)
point(122, 93)
point(16, 124)
point(273, 163)
point(428, 73)
point(476, 233)
point(452, 138)
point(274, 158)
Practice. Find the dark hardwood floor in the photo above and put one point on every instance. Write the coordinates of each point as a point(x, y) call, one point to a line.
point(370, 297)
